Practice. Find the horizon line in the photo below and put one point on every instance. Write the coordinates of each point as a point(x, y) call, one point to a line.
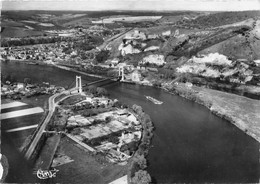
point(144, 10)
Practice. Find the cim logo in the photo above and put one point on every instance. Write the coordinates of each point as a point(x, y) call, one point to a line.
point(45, 174)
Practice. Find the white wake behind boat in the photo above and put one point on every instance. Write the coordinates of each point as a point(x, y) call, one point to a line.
point(155, 101)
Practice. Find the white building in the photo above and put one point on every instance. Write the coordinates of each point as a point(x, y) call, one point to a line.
point(151, 48)
point(152, 36)
point(188, 84)
point(20, 85)
point(136, 76)
point(177, 33)
point(166, 33)
point(128, 50)
point(212, 58)
point(257, 62)
point(113, 61)
point(154, 59)
point(136, 35)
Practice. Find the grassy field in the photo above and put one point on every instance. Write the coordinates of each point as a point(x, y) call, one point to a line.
point(19, 32)
point(85, 168)
point(241, 111)
point(238, 47)
point(127, 19)
point(220, 19)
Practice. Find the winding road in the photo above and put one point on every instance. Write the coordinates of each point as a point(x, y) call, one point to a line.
point(52, 106)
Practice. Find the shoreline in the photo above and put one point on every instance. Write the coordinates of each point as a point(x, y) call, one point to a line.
point(211, 104)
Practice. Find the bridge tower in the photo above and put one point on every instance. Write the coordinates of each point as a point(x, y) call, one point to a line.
point(78, 84)
point(121, 73)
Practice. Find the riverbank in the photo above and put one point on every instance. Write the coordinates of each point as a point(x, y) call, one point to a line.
point(241, 111)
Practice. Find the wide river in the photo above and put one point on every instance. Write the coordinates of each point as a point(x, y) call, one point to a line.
point(190, 144)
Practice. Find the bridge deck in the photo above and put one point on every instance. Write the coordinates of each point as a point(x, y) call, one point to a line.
point(102, 80)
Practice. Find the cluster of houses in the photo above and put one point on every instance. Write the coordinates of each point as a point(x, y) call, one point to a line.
point(109, 123)
point(46, 53)
point(41, 52)
point(18, 90)
point(54, 52)
point(95, 30)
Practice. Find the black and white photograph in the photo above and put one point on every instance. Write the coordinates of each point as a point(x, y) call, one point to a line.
point(130, 91)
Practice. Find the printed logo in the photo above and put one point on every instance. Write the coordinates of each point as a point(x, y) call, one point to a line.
point(45, 174)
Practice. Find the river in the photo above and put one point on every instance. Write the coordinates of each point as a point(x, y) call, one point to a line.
point(190, 144)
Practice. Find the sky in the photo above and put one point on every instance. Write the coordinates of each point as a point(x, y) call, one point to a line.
point(200, 5)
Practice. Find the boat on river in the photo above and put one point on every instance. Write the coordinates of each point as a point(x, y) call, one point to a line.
point(155, 101)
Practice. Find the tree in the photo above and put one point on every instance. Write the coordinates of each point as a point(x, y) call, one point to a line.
point(108, 119)
point(141, 161)
point(102, 56)
point(92, 89)
point(113, 139)
point(27, 80)
point(138, 109)
point(101, 91)
point(141, 177)
point(117, 104)
point(76, 131)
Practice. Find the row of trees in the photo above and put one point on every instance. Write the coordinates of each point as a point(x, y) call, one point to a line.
point(113, 137)
point(94, 111)
point(33, 40)
point(139, 164)
point(102, 56)
point(96, 91)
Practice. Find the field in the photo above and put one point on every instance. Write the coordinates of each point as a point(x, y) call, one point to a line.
point(19, 32)
point(242, 46)
point(85, 168)
point(219, 19)
point(243, 112)
point(127, 19)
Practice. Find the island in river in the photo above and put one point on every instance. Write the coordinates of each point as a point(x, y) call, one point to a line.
point(112, 135)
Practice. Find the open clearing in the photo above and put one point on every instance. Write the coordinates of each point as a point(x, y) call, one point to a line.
point(23, 112)
point(85, 168)
point(12, 104)
point(127, 19)
point(46, 24)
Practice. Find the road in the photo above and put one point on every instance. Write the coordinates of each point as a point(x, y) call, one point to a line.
point(52, 106)
point(106, 42)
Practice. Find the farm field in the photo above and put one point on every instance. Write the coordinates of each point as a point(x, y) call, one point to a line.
point(19, 32)
point(127, 19)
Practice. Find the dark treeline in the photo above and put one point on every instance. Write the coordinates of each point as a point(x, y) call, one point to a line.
point(33, 40)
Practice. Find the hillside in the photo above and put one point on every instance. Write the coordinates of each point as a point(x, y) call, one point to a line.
point(218, 19)
point(242, 46)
